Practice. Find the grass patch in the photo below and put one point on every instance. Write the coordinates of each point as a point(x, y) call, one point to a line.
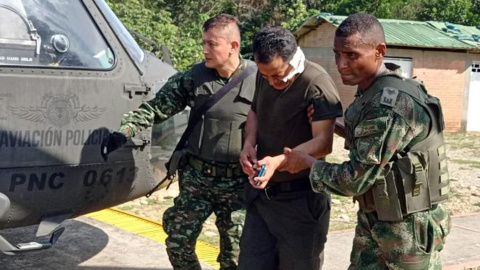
point(456, 195)
point(341, 198)
point(461, 140)
point(151, 201)
point(337, 226)
point(126, 207)
point(213, 240)
point(165, 203)
point(472, 163)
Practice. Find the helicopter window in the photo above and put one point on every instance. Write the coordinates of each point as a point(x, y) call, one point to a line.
point(132, 47)
point(54, 33)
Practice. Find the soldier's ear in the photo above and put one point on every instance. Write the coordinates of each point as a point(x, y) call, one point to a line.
point(235, 46)
point(380, 50)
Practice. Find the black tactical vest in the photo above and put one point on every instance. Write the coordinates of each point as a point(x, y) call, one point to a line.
point(416, 178)
point(219, 136)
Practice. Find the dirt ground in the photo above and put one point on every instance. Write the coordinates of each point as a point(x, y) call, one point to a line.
point(463, 153)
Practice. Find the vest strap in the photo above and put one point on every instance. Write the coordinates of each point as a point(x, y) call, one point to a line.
point(420, 176)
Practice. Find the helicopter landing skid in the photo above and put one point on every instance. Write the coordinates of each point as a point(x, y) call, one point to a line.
point(10, 249)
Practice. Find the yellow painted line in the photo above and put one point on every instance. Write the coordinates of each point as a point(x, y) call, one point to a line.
point(152, 230)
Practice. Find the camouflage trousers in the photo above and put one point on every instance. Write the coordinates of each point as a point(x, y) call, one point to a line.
point(412, 244)
point(199, 197)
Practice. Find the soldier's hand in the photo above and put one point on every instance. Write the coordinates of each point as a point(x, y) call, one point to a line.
point(296, 160)
point(248, 158)
point(111, 143)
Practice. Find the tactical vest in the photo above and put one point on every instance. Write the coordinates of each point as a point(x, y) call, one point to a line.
point(219, 136)
point(416, 178)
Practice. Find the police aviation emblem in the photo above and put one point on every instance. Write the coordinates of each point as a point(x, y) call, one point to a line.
point(58, 110)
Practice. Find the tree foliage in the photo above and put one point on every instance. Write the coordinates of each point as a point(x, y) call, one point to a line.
point(178, 23)
point(465, 12)
point(454, 11)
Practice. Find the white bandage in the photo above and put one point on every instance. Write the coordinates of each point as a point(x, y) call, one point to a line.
point(298, 64)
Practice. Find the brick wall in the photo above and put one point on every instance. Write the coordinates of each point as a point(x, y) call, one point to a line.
point(318, 47)
point(445, 74)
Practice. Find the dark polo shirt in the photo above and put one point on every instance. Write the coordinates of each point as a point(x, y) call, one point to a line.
point(282, 114)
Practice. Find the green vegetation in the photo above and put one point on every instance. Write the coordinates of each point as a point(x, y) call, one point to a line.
point(345, 207)
point(212, 240)
point(461, 140)
point(177, 23)
point(455, 11)
point(457, 195)
point(338, 226)
point(126, 207)
point(472, 163)
point(341, 198)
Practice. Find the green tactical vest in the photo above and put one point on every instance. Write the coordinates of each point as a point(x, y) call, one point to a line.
point(416, 178)
point(219, 136)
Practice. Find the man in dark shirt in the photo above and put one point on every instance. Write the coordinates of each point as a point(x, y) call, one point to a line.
point(286, 223)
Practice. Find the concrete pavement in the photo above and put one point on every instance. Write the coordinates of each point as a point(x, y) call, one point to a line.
point(88, 244)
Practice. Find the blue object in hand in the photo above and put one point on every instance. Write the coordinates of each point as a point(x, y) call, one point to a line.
point(260, 173)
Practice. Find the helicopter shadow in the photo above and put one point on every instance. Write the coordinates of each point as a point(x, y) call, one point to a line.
point(87, 244)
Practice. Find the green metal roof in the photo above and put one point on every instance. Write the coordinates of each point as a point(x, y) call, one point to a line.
point(468, 34)
point(417, 34)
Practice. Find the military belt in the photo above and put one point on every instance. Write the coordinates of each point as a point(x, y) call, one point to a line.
point(216, 169)
point(273, 189)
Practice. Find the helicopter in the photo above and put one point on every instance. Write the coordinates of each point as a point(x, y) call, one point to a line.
point(69, 70)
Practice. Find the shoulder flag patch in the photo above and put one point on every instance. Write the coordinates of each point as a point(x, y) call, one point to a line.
point(389, 96)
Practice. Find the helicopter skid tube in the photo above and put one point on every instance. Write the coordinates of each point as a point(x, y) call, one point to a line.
point(10, 249)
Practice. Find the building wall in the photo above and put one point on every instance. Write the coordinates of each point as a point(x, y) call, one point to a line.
point(445, 74)
point(317, 46)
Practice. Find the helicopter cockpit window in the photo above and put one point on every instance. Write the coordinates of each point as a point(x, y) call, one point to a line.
point(55, 33)
point(135, 52)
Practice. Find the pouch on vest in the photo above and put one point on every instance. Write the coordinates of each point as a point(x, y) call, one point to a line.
point(404, 189)
point(385, 196)
point(413, 184)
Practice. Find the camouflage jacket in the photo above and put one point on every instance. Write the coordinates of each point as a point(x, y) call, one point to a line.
point(172, 98)
point(382, 132)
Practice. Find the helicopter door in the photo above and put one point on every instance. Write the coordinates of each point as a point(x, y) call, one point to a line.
point(56, 109)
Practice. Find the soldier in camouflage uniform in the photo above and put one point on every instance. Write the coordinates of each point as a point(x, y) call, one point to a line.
point(210, 178)
point(401, 224)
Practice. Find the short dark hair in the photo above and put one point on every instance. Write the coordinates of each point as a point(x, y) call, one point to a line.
point(220, 21)
point(367, 25)
point(273, 41)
